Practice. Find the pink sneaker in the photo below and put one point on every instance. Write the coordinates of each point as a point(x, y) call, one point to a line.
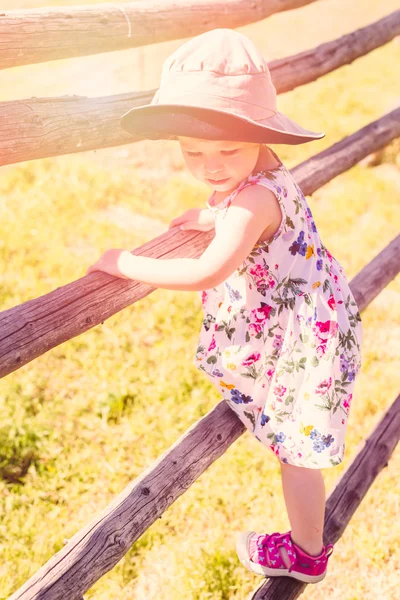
point(260, 553)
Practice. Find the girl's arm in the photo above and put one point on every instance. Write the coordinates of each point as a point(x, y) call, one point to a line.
point(248, 216)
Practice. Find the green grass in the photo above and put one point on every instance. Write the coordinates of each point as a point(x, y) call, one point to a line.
point(80, 422)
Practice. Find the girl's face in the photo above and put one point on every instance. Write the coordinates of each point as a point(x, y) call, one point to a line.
point(222, 165)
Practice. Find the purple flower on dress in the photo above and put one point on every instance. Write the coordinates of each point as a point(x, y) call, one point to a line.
point(234, 295)
point(278, 341)
point(319, 265)
point(327, 440)
point(217, 373)
point(299, 245)
point(318, 446)
point(280, 437)
point(315, 435)
point(312, 222)
point(344, 364)
point(240, 398)
point(264, 419)
point(303, 249)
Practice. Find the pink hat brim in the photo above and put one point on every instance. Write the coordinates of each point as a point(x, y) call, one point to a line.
point(285, 129)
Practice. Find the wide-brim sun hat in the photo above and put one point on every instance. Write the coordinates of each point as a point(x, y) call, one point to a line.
point(216, 86)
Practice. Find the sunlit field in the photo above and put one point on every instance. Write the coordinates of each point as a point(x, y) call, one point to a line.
point(82, 421)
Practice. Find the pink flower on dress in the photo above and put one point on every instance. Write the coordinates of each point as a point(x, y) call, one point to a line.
point(270, 373)
point(254, 329)
point(278, 341)
point(261, 276)
point(258, 272)
point(347, 402)
point(212, 345)
point(332, 302)
point(276, 266)
point(251, 359)
point(324, 330)
point(275, 449)
point(204, 297)
point(262, 313)
point(279, 390)
point(324, 386)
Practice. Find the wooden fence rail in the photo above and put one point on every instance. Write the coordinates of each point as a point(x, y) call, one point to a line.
point(44, 34)
point(98, 547)
point(35, 128)
point(36, 326)
point(346, 497)
point(42, 127)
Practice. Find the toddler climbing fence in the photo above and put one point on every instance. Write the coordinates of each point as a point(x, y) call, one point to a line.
point(34, 327)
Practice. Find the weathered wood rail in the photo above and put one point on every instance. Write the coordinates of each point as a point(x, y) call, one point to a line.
point(28, 131)
point(346, 497)
point(43, 34)
point(98, 547)
point(36, 326)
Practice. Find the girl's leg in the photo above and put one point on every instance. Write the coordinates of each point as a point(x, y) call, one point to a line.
point(304, 492)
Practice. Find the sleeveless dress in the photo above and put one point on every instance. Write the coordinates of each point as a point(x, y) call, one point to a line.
point(281, 337)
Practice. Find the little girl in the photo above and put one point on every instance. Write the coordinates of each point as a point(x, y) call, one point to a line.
point(281, 336)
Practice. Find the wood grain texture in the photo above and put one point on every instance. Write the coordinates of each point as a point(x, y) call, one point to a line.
point(41, 127)
point(103, 542)
point(346, 497)
point(34, 327)
point(94, 550)
point(308, 66)
point(377, 274)
point(45, 34)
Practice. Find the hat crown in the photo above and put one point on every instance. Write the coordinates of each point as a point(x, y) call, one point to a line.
point(220, 72)
point(222, 51)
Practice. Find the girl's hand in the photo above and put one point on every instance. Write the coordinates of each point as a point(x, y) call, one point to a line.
point(114, 262)
point(199, 219)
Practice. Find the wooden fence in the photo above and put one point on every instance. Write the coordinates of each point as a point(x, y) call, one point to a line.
point(36, 326)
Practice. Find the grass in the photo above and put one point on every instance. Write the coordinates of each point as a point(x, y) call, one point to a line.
point(80, 422)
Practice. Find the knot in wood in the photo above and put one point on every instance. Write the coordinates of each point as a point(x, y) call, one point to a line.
point(145, 491)
point(37, 120)
point(118, 541)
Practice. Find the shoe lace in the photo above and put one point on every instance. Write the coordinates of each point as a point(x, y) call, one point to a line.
point(269, 543)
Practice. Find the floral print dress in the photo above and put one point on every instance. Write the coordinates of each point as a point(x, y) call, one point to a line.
point(281, 337)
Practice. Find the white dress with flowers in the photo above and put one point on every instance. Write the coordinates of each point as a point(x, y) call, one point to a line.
point(281, 337)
